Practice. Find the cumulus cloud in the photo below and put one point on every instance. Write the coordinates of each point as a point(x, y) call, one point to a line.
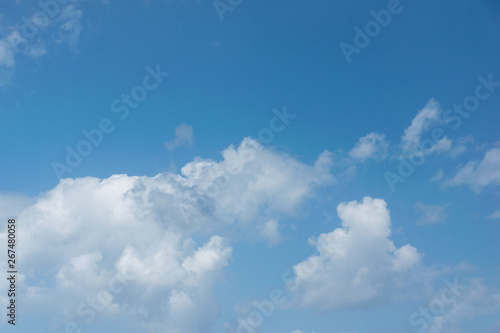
point(183, 136)
point(86, 235)
point(431, 214)
point(373, 145)
point(151, 248)
point(12, 204)
point(357, 264)
point(251, 180)
point(478, 174)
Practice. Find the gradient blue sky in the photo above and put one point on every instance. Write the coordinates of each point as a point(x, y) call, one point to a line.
point(225, 79)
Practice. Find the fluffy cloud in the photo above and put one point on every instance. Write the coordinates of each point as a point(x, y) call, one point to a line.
point(251, 180)
point(150, 247)
point(373, 145)
point(357, 264)
point(12, 204)
point(183, 136)
point(478, 174)
point(88, 237)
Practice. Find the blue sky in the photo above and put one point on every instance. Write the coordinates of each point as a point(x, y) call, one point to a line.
point(254, 158)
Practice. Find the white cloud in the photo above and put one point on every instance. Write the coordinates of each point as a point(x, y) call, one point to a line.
point(358, 264)
point(425, 118)
point(64, 27)
point(495, 215)
point(457, 151)
point(478, 174)
point(252, 179)
point(183, 136)
point(461, 146)
point(38, 50)
point(431, 214)
point(6, 54)
point(6, 76)
point(12, 204)
point(70, 25)
point(442, 145)
point(9, 47)
point(476, 301)
point(86, 233)
point(373, 145)
point(271, 232)
point(437, 176)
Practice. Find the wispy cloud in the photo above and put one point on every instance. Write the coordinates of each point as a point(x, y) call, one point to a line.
point(475, 301)
point(183, 136)
point(431, 214)
point(70, 26)
point(478, 174)
point(425, 118)
point(373, 145)
point(32, 39)
point(9, 47)
point(495, 215)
